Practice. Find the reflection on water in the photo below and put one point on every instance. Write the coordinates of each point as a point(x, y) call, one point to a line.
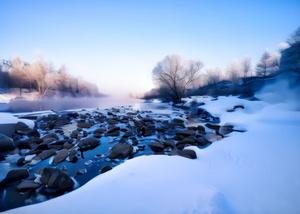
point(69, 103)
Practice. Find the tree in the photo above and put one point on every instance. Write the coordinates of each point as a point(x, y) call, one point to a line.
point(261, 67)
point(176, 75)
point(213, 76)
point(233, 71)
point(246, 65)
point(290, 57)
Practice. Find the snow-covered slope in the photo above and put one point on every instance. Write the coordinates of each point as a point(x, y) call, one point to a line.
point(253, 172)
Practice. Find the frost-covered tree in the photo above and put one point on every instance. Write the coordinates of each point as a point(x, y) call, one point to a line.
point(246, 66)
point(213, 76)
point(176, 74)
point(290, 56)
point(234, 71)
point(262, 65)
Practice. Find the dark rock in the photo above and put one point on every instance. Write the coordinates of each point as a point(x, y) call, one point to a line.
point(46, 154)
point(112, 134)
point(148, 132)
point(201, 129)
point(60, 142)
point(120, 151)
point(72, 155)
point(97, 135)
point(105, 169)
point(68, 146)
point(42, 147)
point(169, 143)
point(37, 140)
point(187, 153)
point(56, 147)
point(100, 131)
point(84, 125)
point(156, 147)
point(204, 115)
point(6, 143)
point(113, 128)
point(134, 141)
point(62, 121)
point(138, 123)
point(15, 175)
point(56, 179)
point(212, 126)
point(21, 161)
point(22, 129)
point(50, 136)
point(226, 129)
point(128, 134)
point(186, 133)
point(60, 157)
point(74, 134)
point(201, 141)
point(27, 185)
point(88, 142)
point(179, 121)
point(112, 121)
point(22, 144)
point(186, 141)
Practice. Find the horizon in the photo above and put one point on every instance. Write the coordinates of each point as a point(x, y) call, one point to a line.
point(115, 45)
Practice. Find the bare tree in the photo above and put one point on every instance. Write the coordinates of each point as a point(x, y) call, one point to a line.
point(213, 76)
point(261, 67)
point(233, 71)
point(176, 75)
point(246, 65)
point(19, 75)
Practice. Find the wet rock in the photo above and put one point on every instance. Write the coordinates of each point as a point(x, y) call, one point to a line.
point(112, 134)
point(52, 135)
point(88, 142)
point(201, 141)
point(138, 123)
point(148, 132)
point(74, 134)
point(120, 151)
point(128, 134)
point(42, 147)
point(113, 128)
point(68, 146)
point(105, 169)
point(56, 147)
point(112, 121)
point(186, 141)
point(46, 154)
point(6, 143)
point(178, 121)
point(169, 143)
point(72, 155)
point(156, 147)
point(60, 157)
point(22, 144)
point(15, 175)
point(84, 125)
point(22, 129)
point(62, 121)
point(226, 129)
point(21, 161)
point(187, 153)
point(27, 185)
point(201, 129)
point(56, 179)
point(100, 131)
point(134, 141)
point(212, 126)
point(186, 133)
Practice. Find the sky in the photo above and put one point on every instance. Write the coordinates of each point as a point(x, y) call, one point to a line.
point(115, 44)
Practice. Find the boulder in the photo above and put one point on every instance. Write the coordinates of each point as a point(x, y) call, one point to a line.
point(28, 185)
point(52, 135)
point(201, 141)
point(89, 142)
point(112, 134)
point(22, 129)
point(169, 143)
point(120, 151)
point(187, 153)
point(60, 157)
point(178, 121)
point(156, 147)
point(186, 141)
point(6, 143)
point(72, 155)
point(186, 133)
point(46, 154)
point(105, 169)
point(113, 128)
point(74, 134)
point(84, 125)
point(15, 175)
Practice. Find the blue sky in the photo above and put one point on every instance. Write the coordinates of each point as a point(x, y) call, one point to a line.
point(116, 44)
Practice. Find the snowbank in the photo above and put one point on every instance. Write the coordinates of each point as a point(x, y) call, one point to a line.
point(252, 172)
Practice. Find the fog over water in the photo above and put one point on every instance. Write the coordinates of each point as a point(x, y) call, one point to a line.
point(68, 103)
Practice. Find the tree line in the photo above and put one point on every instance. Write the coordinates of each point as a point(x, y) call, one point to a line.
point(43, 78)
point(173, 76)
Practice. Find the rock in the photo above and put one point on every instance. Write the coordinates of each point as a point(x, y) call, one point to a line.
point(21, 161)
point(15, 175)
point(52, 135)
point(84, 125)
point(187, 153)
point(56, 179)
point(212, 137)
point(23, 144)
point(204, 115)
point(112, 134)
point(89, 142)
point(22, 128)
point(46, 154)
point(226, 129)
point(62, 121)
point(27, 185)
point(169, 143)
point(186, 133)
point(74, 134)
point(128, 134)
point(68, 146)
point(138, 123)
point(100, 130)
point(105, 169)
point(72, 155)
point(179, 121)
point(201, 129)
point(81, 172)
point(186, 141)
point(201, 141)
point(212, 126)
point(148, 132)
point(6, 143)
point(120, 151)
point(112, 121)
point(156, 147)
point(60, 157)
point(134, 141)
point(113, 128)
point(49, 140)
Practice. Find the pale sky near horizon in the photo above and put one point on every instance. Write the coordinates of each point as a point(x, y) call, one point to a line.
point(116, 44)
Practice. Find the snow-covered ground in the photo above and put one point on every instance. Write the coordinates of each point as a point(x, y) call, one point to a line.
point(252, 172)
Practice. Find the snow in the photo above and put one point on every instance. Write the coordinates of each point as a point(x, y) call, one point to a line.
point(252, 172)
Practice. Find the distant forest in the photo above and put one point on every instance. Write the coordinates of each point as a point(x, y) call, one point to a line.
point(43, 79)
point(175, 77)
